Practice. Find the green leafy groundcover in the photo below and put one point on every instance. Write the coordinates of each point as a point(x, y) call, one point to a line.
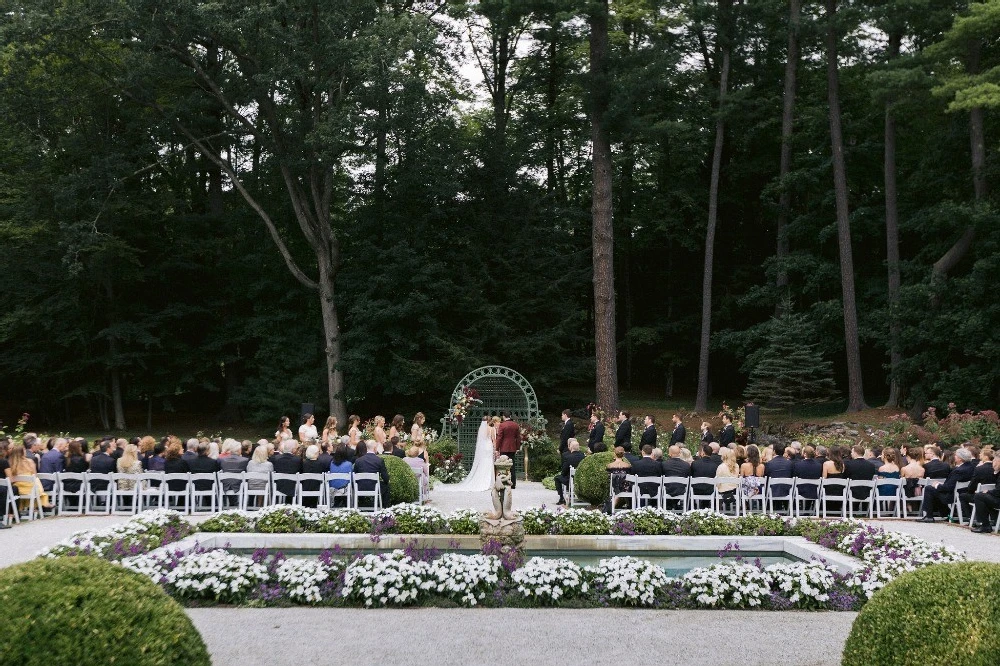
point(83, 610)
point(943, 614)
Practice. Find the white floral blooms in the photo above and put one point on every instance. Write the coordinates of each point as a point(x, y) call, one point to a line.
point(465, 517)
point(733, 585)
point(303, 579)
point(384, 580)
point(414, 518)
point(549, 580)
point(582, 521)
point(467, 579)
point(216, 574)
point(806, 584)
point(100, 542)
point(628, 580)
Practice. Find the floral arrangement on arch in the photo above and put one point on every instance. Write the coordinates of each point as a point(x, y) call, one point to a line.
point(460, 409)
point(533, 435)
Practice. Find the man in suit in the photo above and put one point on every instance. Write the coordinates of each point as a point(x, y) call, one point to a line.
point(680, 432)
point(648, 434)
point(286, 462)
point(570, 460)
point(822, 454)
point(102, 463)
point(233, 463)
point(859, 468)
point(33, 449)
point(778, 467)
point(53, 462)
point(728, 434)
point(703, 466)
point(191, 451)
point(675, 466)
point(982, 474)
point(987, 503)
point(202, 464)
point(808, 468)
point(509, 442)
point(623, 436)
point(937, 498)
point(796, 451)
point(646, 467)
point(371, 463)
point(706, 433)
point(596, 438)
point(568, 431)
point(934, 467)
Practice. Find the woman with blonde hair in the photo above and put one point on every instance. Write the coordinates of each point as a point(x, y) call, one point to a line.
point(259, 464)
point(727, 468)
point(330, 431)
point(129, 464)
point(21, 465)
point(379, 433)
point(417, 435)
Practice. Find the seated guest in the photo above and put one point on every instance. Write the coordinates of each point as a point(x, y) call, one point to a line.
point(231, 461)
point(259, 464)
point(934, 467)
point(686, 455)
point(129, 463)
point(938, 497)
point(102, 463)
point(394, 449)
point(676, 466)
point(728, 467)
point(53, 461)
point(340, 464)
point(704, 466)
point(889, 469)
point(983, 474)
point(371, 463)
point(808, 468)
point(146, 445)
point(173, 463)
point(779, 467)
point(822, 454)
point(658, 454)
point(286, 462)
point(716, 457)
point(312, 465)
point(752, 471)
point(420, 468)
point(913, 471)
point(19, 465)
point(4, 445)
point(646, 467)
point(617, 470)
point(858, 468)
point(741, 454)
point(987, 503)
point(794, 451)
point(570, 460)
point(203, 464)
point(325, 457)
point(191, 450)
point(76, 463)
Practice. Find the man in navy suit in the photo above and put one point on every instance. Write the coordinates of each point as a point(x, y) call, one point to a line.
point(596, 440)
point(102, 463)
point(728, 434)
point(623, 436)
point(649, 434)
point(935, 468)
point(680, 432)
point(779, 467)
point(937, 498)
point(372, 463)
point(648, 468)
point(568, 431)
point(674, 465)
point(808, 468)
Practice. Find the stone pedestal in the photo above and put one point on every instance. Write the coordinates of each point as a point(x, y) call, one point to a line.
point(505, 532)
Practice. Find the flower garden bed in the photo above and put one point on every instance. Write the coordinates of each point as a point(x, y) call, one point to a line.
point(497, 577)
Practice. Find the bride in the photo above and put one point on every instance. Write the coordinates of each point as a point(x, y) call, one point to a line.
point(481, 475)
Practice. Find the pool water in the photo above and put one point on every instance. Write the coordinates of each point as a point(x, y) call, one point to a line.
point(674, 563)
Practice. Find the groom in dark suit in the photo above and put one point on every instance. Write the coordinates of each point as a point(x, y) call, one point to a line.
point(596, 440)
point(623, 436)
point(568, 431)
point(509, 441)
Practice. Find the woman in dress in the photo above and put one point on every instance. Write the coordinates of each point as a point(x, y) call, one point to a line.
point(728, 467)
point(751, 471)
point(354, 430)
point(834, 469)
point(913, 471)
point(481, 476)
point(420, 469)
point(398, 427)
point(417, 435)
point(307, 431)
point(284, 430)
point(259, 464)
point(379, 433)
point(341, 464)
point(888, 470)
point(330, 432)
point(21, 465)
point(618, 469)
point(129, 463)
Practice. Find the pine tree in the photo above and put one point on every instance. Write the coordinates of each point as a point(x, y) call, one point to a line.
point(791, 370)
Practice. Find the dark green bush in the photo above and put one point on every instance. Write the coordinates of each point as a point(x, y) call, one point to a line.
point(82, 610)
point(543, 461)
point(402, 481)
point(592, 478)
point(227, 522)
point(445, 447)
point(942, 614)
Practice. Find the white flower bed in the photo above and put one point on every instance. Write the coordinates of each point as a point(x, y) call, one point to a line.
point(303, 579)
point(384, 580)
point(216, 574)
point(549, 580)
point(804, 583)
point(732, 585)
point(629, 581)
point(467, 579)
point(414, 519)
point(99, 542)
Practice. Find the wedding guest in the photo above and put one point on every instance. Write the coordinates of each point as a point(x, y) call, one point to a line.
point(741, 454)
point(259, 464)
point(617, 469)
point(354, 431)
point(232, 463)
point(420, 468)
point(203, 464)
point(330, 431)
point(778, 467)
point(312, 465)
point(728, 434)
point(595, 441)
point(822, 454)
point(937, 498)
point(378, 434)
point(417, 437)
point(371, 463)
point(705, 467)
point(649, 433)
point(913, 471)
point(325, 457)
point(982, 474)
point(675, 466)
point(988, 503)
point(808, 468)
point(129, 463)
point(286, 462)
point(20, 465)
point(340, 464)
point(567, 432)
point(53, 461)
point(394, 449)
point(706, 432)
point(767, 454)
point(727, 468)
point(117, 447)
point(191, 449)
point(685, 455)
point(398, 427)
point(658, 454)
point(752, 471)
point(889, 469)
point(213, 450)
point(859, 468)
point(284, 430)
point(934, 467)
point(623, 435)
point(794, 451)
point(570, 460)
point(146, 445)
point(4, 447)
point(173, 463)
point(646, 467)
point(101, 463)
point(679, 434)
point(307, 431)
point(32, 448)
point(716, 458)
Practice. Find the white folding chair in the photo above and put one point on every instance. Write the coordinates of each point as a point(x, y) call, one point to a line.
point(573, 499)
point(33, 499)
point(833, 490)
point(956, 506)
point(99, 492)
point(753, 492)
point(258, 484)
point(53, 492)
point(203, 487)
point(64, 493)
point(681, 486)
point(375, 493)
point(862, 499)
point(284, 497)
point(149, 490)
point(307, 489)
point(641, 499)
point(786, 493)
point(720, 502)
point(706, 494)
point(333, 493)
point(180, 491)
point(799, 499)
point(626, 494)
point(897, 499)
point(983, 488)
point(231, 486)
point(10, 506)
point(124, 501)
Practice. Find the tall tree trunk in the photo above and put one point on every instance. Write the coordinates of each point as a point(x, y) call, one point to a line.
point(331, 341)
point(603, 241)
point(116, 394)
point(892, 239)
point(787, 125)
point(701, 399)
point(551, 97)
point(856, 397)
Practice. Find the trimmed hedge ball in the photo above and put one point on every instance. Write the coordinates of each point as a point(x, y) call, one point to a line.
point(402, 481)
point(82, 610)
point(941, 614)
point(592, 479)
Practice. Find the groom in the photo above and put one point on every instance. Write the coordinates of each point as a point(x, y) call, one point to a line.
point(508, 442)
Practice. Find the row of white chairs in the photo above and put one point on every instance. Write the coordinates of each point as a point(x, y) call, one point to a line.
point(90, 493)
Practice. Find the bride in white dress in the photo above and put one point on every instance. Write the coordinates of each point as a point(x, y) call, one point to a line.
point(480, 477)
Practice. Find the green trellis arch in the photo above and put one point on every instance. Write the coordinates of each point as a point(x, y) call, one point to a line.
point(500, 389)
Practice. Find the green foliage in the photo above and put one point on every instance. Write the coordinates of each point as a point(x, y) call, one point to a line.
point(81, 610)
point(445, 447)
point(227, 522)
point(280, 521)
point(950, 615)
point(592, 479)
point(538, 521)
point(549, 483)
point(403, 484)
point(344, 522)
point(464, 521)
point(544, 461)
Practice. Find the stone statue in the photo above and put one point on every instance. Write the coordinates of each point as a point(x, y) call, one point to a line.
point(502, 498)
point(502, 525)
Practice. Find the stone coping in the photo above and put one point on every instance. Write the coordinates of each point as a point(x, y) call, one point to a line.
point(794, 547)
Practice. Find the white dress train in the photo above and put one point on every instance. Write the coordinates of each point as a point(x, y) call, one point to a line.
point(480, 477)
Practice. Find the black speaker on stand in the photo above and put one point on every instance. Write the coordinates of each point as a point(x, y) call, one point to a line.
point(307, 408)
point(752, 420)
